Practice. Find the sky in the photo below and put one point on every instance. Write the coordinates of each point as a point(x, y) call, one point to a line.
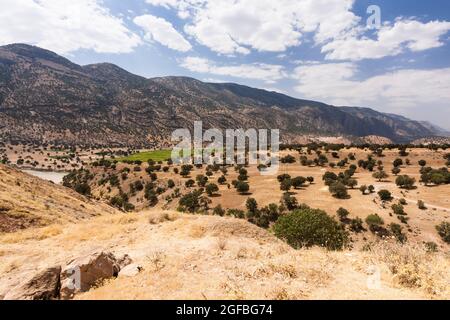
point(392, 56)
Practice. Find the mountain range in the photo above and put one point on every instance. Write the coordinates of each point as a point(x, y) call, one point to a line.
point(45, 98)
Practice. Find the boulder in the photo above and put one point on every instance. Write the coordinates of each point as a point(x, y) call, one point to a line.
point(83, 273)
point(124, 261)
point(43, 286)
point(130, 270)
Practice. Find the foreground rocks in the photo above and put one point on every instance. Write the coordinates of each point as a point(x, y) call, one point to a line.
point(83, 273)
point(79, 275)
point(43, 286)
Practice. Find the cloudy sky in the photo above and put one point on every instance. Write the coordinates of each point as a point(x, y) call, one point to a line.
point(313, 49)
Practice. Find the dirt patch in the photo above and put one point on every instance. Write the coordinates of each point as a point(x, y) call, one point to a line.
point(12, 223)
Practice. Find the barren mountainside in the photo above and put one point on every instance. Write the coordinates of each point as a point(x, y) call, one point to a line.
point(46, 98)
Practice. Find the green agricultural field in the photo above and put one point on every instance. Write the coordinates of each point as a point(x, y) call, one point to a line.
point(157, 155)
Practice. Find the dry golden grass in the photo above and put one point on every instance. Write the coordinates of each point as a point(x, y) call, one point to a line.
point(206, 257)
point(29, 202)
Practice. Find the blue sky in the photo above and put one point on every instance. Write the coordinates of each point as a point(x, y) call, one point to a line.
point(313, 49)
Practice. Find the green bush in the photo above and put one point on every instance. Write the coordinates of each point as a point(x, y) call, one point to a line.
point(405, 182)
point(444, 231)
point(190, 202)
point(309, 227)
point(338, 190)
point(397, 231)
point(385, 195)
point(356, 225)
point(421, 205)
point(242, 187)
point(240, 214)
point(218, 211)
point(342, 214)
point(398, 209)
point(211, 189)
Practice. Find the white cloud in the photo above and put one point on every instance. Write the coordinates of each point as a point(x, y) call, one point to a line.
point(336, 84)
point(65, 26)
point(268, 73)
point(391, 40)
point(230, 27)
point(159, 30)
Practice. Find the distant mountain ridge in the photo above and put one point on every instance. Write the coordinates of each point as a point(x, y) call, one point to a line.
point(47, 98)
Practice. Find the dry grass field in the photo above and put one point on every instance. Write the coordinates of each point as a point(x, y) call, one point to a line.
point(205, 257)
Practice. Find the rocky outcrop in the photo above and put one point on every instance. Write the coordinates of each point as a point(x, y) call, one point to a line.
point(79, 275)
point(83, 273)
point(43, 286)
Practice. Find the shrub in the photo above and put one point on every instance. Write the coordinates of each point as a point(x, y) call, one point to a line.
point(431, 246)
point(396, 230)
point(444, 231)
point(222, 180)
point(421, 205)
point(211, 189)
point(286, 185)
point(201, 180)
point(385, 195)
point(219, 211)
point(352, 183)
point(83, 188)
point(190, 202)
point(288, 159)
point(363, 189)
point(170, 183)
point(405, 182)
point(396, 170)
point(403, 219)
point(271, 211)
point(252, 205)
point(398, 209)
point(374, 219)
point(338, 190)
point(397, 162)
point(375, 222)
point(242, 187)
point(189, 183)
point(283, 177)
point(356, 225)
point(289, 201)
point(236, 213)
point(342, 214)
point(371, 188)
point(380, 175)
point(298, 182)
point(309, 227)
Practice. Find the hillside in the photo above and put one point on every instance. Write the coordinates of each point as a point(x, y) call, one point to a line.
point(104, 104)
point(29, 202)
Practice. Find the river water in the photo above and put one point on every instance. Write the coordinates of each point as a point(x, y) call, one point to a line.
point(56, 177)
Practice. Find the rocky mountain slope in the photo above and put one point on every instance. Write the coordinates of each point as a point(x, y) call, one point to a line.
point(46, 98)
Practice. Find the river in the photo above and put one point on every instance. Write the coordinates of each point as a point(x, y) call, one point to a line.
point(56, 177)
